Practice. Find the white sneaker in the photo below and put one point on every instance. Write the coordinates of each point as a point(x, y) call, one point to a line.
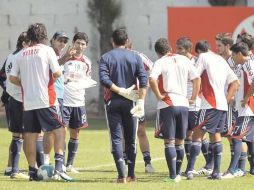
point(64, 168)
point(205, 172)
point(149, 168)
point(71, 169)
point(62, 177)
point(227, 175)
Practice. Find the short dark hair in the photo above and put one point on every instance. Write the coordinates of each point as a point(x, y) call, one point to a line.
point(80, 36)
point(37, 33)
point(22, 38)
point(225, 38)
point(202, 46)
point(120, 36)
point(246, 38)
point(184, 42)
point(162, 46)
point(240, 47)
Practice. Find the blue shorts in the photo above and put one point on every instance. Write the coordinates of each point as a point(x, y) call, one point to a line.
point(44, 119)
point(192, 119)
point(211, 120)
point(172, 122)
point(15, 116)
point(244, 129)
point(230, 123)
point(60, 102)
point(75, 117)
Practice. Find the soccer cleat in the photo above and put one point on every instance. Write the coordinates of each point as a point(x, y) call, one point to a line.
point(62, 177)
point(120, 180)
point(227, 175)
point(131, 179)
point(170, 180)
point(239, 173)
point(8, 171)
point(204, 171)
point(71, 169)
point(64, 168)
point(190, 175)
point(19, 175)
point(214, 176)
point(149, 168)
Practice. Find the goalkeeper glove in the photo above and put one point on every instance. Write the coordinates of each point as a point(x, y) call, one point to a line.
point(129, 93)
point(138, 110)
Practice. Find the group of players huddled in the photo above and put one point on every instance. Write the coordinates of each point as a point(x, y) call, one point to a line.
point(44, 93)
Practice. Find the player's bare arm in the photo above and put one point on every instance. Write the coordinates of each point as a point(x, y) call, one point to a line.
point(196, 87)
point(155, 89)
point(69, 54)
point(15, 80)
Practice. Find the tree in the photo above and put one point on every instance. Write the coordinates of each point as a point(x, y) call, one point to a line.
point(102, 14)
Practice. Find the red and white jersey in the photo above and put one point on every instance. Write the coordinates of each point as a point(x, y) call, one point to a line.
point(35, 66)
point(197, 103)
point(173, 73)
point(215, 75)
point(76, 72)
point(148, 64)
point(12, 89)
point(245, 74)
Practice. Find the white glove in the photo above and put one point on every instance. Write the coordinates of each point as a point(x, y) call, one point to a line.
point(129, 93)
point(139, 109)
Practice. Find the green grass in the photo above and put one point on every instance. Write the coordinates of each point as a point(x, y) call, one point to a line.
point(97, 170)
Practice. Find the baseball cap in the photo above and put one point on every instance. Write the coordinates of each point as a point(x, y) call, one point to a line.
point(60, 35)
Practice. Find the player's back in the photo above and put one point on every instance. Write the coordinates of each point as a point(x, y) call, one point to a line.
point(215, 74)
point(35, 64)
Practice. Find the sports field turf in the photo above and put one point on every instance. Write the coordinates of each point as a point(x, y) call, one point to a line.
point(97, 170)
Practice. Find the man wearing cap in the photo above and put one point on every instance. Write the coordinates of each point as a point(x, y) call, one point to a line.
point(58, 43)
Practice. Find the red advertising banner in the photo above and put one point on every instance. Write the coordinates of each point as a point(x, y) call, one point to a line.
point(205, 22)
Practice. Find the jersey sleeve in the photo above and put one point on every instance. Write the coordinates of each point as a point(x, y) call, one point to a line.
point(141, 73)
point(200, 65)
point(15, 70)
point(156, 70)
point(248, 67)
point(192, 72)
point(104, 73)
point(53, 63)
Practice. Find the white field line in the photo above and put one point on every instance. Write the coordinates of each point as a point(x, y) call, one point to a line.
point(113, 164)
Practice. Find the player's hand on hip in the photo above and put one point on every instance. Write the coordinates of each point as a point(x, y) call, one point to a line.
point(139, 109)
point(129, 93)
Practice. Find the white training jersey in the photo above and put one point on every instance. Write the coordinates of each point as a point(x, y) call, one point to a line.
point(13, 90)
point(215, 75)
point(196, 105)
point(173, 72)
point(35, 66)
point(76, 72)
point(245, 74)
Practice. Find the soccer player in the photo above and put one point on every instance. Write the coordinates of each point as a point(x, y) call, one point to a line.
point(77, 71)
point(172, 72)
point(224, 41)
point(215, 74)
point(58, 43)
point(118, 70)
point(35, 69)
point(244, 130)
point(184, 47)
point(15, 110)
point(142, 137)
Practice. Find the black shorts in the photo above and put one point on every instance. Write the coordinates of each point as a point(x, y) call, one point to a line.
point(75, 117)
point(15, 116)
point(44, 119)
point(211, 120)
point(192, 119)
point(172, 122)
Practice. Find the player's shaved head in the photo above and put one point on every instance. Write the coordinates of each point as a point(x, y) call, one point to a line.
point(162, 46)
point(37, 33)
point(120, 36)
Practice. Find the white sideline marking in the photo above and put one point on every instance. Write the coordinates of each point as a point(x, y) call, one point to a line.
point(113, 164)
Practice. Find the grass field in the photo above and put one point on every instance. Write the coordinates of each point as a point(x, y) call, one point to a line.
point(97, 170)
